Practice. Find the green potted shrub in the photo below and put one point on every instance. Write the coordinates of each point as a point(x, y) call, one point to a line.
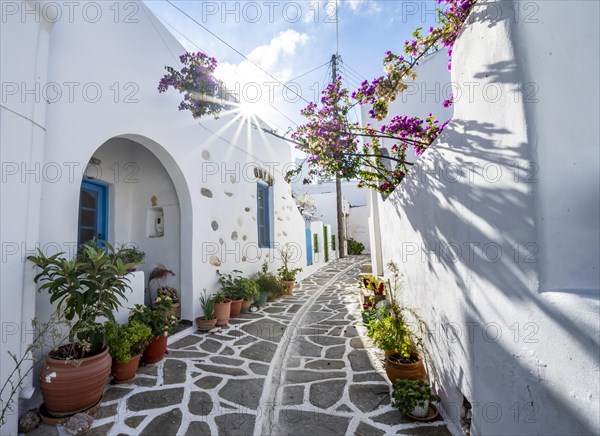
point(86, 289)
point(412, 397)
point(161, 321)
point(208, 321)
point(222, 308)
point(354, 247)
point(249, 291)
point(287, 274)
point(269, 285)
point(126, 343)
point(233, 287)
point(391, 331)
point(131, 254)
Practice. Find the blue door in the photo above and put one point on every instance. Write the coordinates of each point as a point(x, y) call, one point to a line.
point(309, 257)
point(93, 211)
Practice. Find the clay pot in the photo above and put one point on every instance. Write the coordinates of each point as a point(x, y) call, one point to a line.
point(236, 308)
point(264, 296)
point(289, 285)
point(155, 350)
point(396, 370)
point(246, 306)
point(68, 388)
point(223, 312)
point(125, 372)
point(205, 325)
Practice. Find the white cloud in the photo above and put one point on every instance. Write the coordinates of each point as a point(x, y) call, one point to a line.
point(360, 7)
point(284, 43)
point(251, 85)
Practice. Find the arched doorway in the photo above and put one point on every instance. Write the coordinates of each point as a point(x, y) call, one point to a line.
point(145, 202)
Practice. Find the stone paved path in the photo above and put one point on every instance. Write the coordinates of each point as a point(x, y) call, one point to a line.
point(300, 366)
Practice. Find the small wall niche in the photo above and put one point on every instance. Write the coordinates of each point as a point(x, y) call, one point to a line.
point(155, 222)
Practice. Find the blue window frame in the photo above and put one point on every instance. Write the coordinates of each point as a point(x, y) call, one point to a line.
point(93, 212)
point(264, 214)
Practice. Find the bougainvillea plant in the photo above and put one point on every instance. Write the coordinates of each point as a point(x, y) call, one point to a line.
point(333, 143)
point(202, 93)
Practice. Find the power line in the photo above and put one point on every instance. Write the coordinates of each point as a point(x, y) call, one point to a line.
point(308, 72)
point(236, 50)
point(358, 75)
point(199, 48)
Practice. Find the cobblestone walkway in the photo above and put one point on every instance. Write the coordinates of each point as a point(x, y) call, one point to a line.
point(299, 366)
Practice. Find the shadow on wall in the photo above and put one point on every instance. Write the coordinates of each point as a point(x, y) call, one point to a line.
point(450, 206)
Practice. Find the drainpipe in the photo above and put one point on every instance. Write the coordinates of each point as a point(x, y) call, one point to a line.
point(37, 137)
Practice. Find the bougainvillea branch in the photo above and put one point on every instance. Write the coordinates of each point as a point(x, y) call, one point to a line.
point(202, 93)
point(333, 144)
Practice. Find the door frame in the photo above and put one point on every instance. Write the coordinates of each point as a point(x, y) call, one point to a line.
point(102, 208)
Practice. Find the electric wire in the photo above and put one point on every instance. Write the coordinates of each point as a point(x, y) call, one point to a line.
point(236, 50)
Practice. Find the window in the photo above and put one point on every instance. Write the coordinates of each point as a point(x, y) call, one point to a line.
point(264, 215)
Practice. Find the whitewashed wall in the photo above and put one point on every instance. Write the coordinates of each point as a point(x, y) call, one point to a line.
point(202, 170)
point(501, 260)
point(358, 226)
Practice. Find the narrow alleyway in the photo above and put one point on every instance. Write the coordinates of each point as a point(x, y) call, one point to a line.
point(300, 366)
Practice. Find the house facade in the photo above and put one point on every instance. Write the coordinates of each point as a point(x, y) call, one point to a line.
point(91, 149)
point(496, 228)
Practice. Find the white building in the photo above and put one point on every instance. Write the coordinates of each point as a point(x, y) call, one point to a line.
point(496, 229)
point(84, 132)
point(355, 206)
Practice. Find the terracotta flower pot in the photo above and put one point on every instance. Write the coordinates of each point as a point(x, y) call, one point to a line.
point(246, 305)
point(68, 388)
point(396, 370)
point(205, 325)
point(155, 350)
point(236, 308)
point(223, 312)
point(289, 285)
point(125, 372)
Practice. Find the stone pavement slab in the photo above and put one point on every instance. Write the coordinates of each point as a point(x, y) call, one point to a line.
point(300, 366)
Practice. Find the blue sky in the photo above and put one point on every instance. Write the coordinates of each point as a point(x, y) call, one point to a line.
point(290, 38)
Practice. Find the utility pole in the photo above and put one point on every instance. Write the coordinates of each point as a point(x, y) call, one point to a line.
point(338, 184)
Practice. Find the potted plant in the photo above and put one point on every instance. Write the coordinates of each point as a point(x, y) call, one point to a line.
point(287, 274)
point(412, 397)
point(232, 288)
point(374, 286)
point(86, 289)
point(166, 291)
point(131, 254)
point(126, 343)
point(268, 285)
point(158, 275)
point(222, 308)
point(208, 321)
point(369, 312)
point(161, 321)
point(390, 331)
point(250, 292)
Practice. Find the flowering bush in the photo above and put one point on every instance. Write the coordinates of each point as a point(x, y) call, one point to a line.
point(159, 318)
point(201, 91)
point(166, 291)
point(332, 141)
